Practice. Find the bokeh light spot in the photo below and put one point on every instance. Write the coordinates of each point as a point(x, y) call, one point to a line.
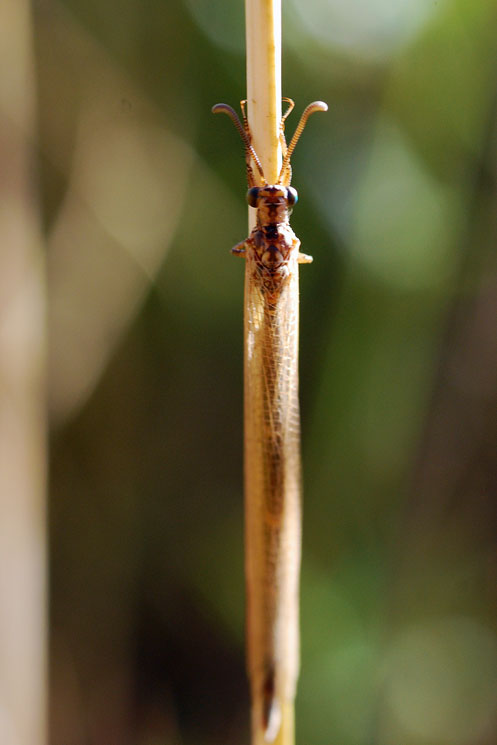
point(441, 682)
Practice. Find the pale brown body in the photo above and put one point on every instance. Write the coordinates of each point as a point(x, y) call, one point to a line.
point(272, 453)
point(272, 434)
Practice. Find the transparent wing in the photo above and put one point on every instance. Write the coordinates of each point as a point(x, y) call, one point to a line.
point(272, 485)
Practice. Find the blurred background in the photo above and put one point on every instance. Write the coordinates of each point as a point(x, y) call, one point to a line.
point(135, 198)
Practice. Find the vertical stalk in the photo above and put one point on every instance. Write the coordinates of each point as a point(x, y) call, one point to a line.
point(263, 40)
point(22, 394)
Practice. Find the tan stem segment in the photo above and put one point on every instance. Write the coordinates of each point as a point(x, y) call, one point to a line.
point(22, 394)
point(263, 35)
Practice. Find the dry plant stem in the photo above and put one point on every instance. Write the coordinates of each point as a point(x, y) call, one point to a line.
point(263, 40)
point(272, 545)
point(22, 395)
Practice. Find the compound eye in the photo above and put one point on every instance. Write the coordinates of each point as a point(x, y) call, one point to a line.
point(292, 196)
point(252, 195)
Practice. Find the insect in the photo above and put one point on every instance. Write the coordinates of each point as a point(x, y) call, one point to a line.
point(272, 429)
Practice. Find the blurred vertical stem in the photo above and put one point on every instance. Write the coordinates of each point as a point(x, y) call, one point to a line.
point(263, 42)
point(22, 395)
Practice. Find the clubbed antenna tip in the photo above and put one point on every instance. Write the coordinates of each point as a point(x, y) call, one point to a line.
point(311, 109)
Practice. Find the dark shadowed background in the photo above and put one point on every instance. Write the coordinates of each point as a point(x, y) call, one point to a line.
point(143, 194)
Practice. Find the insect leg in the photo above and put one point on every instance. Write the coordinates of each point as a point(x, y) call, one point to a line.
point(243, 107)
point(248, 155)
point(239, 249)
point(301, 258)
point(291, 104)
point(285, 177)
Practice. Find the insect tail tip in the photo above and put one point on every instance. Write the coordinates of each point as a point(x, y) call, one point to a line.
point(271, 718)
